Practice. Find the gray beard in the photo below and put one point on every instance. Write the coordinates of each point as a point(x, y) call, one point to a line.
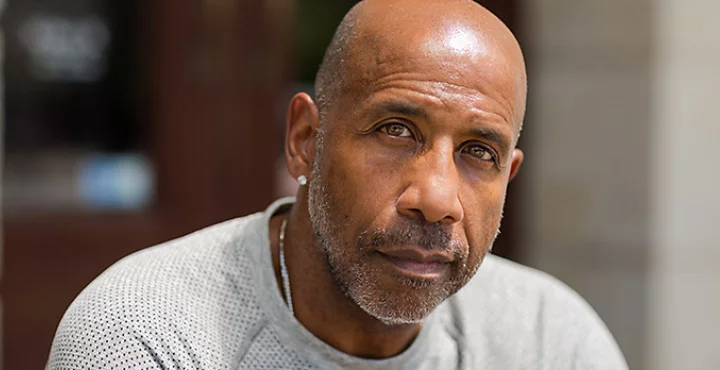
point(355, 280)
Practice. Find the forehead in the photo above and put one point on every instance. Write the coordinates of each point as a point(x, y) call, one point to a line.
point(443, 109)
point(415, 95)
point(466, 58)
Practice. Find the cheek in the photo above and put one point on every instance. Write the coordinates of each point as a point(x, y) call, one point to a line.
point(355, 187)
point(482, 217)
point(362, 175)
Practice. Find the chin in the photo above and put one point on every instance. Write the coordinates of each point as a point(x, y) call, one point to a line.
point(403, 314)
point(409, 301)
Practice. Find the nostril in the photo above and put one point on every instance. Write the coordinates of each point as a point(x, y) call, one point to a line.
point(414, 213)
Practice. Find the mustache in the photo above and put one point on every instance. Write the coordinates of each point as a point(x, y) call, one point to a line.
point(431, 237)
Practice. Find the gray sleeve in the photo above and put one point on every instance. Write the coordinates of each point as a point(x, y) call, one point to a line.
point(515, 317)
point(95, 334)
point(184, 304)
point(128, 317)
point(575, 326)
point(596, 347)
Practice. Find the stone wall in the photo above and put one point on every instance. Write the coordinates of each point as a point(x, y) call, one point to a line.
point(685, 275)
point(623, 175)
point(587, 165)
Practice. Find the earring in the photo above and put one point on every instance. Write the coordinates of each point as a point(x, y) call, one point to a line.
point(302, 180)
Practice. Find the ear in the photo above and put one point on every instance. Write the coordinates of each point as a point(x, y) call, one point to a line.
point(517, 159)
point(301, 127)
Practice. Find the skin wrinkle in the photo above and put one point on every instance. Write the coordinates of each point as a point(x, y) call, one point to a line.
point(371, 192)
point(503, 145)
point(387, 81)
point(478, 95)
point(484, 115)
point(492, 32)
point(495, 65)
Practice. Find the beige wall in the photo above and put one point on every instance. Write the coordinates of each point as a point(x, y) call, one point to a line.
point(684, 315)
point(588, 158)
point(623, 169)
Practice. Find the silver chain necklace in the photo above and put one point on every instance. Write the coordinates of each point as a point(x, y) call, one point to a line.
point(283, 267)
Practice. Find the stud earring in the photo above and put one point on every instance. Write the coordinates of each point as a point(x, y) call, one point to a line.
point(302, 180)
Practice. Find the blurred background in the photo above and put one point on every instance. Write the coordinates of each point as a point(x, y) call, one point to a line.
point(127, 123)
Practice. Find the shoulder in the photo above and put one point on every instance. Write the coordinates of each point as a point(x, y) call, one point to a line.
point(517, 295)
point(186, 265)
point(508, 282)
point(535, 317)
point(170, 303)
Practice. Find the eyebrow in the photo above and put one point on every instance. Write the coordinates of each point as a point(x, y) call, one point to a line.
point(402, 107)
point(492, 135)
point(406, 108)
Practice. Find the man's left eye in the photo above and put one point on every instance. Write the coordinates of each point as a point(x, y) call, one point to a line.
point(397, 130)
point(480, 152)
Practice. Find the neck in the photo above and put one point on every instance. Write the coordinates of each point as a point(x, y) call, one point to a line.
point(319, 304)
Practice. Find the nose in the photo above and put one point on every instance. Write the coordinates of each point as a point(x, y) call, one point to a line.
point(434, 189)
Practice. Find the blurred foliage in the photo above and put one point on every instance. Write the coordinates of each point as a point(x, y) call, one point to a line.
point(316, 21)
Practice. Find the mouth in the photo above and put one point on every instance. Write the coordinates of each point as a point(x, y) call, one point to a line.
point(418, 264)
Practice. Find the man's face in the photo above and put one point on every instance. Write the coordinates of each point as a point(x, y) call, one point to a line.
point(409, 180)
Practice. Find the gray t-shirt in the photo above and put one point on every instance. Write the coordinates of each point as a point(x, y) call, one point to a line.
point(210, 300)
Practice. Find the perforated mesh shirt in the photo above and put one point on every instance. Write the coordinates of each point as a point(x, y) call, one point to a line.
point(209, 300)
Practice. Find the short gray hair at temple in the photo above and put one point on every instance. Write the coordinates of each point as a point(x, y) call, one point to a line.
point(331, 75)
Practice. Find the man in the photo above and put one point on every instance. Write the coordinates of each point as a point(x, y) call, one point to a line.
point(382, 260)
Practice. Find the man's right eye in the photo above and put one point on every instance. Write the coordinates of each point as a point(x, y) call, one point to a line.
point(397, 130)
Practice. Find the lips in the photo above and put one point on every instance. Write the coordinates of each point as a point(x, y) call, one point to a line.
point(418, 263)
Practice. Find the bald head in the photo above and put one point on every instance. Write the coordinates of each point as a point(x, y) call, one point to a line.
point(420, 104)
point(459, 38)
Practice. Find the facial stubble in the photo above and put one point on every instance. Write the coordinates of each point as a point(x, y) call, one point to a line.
point(358, 281)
